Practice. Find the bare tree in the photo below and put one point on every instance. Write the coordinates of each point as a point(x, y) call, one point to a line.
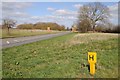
point(94, 13)
point(84, 25)
point(9, 23)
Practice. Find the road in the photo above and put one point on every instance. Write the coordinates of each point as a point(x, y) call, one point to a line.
point(10, 42)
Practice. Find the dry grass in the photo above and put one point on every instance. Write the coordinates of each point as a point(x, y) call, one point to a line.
point(86, 38)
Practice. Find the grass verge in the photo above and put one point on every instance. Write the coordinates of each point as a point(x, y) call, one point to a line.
point(60, 58)
point(23, 33)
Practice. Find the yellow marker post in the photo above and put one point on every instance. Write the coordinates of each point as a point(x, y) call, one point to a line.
point(48, 28)
point(92, 60)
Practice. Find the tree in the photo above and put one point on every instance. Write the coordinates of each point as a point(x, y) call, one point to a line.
point(8, 23)
point(25, 26)
point(84, 26)
point(93, 13)
point(61, 28)
point(42, 26)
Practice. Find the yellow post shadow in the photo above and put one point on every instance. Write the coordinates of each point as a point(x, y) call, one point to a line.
point(92, 60)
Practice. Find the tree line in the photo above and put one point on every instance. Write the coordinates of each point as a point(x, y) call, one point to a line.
point(42, 26)
point(10, 23)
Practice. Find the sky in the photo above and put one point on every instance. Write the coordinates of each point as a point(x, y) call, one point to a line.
point(58, 11)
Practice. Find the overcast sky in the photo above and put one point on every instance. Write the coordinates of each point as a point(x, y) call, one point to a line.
point(63, 13)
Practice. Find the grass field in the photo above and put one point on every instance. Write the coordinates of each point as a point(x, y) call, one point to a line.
point(63, 57)
point(22, 33)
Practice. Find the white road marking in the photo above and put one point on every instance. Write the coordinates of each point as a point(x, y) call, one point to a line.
point(7, 42)
point(16, 40)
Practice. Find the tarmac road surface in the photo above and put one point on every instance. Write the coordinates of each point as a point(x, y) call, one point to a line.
point(10, 42)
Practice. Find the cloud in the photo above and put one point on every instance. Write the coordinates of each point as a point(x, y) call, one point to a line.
point(15, 9)
point(35, 17)
point(22, 5)
point(77, 6)
point(67, 17)
point(50, 9)
point(62, 17)
point(114, 13)
point(53, 17)
point(15, 5)
point(20, 14)
point(65, 12)
point(61, 12)
point(113, 7)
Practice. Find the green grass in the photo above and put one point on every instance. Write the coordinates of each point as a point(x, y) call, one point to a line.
point(23, 33)
point(61, 57)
